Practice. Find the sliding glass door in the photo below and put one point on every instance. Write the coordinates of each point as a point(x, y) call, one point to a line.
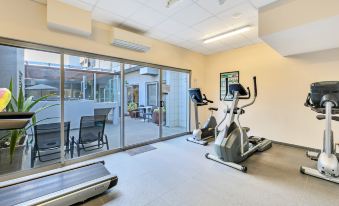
point(175, 110)
point(91, 105)
point(142, 101)
point(86, 105)
point(35, 79)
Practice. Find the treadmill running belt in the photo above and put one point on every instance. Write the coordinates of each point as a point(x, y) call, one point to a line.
point(22, 192)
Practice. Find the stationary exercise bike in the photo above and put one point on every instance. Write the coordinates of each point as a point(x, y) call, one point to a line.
point(232, 144)
point(202, 134)
point(324, 99)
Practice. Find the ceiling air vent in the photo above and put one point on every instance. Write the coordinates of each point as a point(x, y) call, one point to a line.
point(128, 40)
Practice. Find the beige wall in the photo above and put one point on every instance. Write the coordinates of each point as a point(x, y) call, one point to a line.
point(283, 84)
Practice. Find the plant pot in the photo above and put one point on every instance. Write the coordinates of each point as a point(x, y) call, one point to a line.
point(5, 162)
point(132, 114)
point(156, 117)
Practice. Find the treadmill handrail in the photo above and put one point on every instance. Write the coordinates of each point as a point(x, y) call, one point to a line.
point(46, 198)
point(47, 173)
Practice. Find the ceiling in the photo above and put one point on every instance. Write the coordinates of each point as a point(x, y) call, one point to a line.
point(184, 24)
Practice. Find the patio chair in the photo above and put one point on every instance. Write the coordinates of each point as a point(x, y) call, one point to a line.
point(103, 111)
point(91, 134)
point(47, 138)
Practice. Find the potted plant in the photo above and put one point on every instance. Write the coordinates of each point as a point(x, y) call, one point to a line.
point(13, 142)
point(156, 116)
point(131, 108)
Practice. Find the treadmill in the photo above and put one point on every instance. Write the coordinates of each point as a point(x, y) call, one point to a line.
point(63, 186)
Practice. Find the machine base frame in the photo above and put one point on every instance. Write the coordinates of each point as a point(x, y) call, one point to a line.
point(315, 173)
point(203, 142)
point(233, 165)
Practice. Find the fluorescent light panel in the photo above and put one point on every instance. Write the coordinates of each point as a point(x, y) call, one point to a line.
point(227, 34)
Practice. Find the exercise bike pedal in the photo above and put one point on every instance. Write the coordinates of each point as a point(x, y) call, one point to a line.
point(264, 145)
point(255, 140)
point(313, 155)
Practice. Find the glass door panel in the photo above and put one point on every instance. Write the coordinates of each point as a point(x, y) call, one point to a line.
point(92, 104)
point(35, 75)
point(175, 102)
point(141, 101)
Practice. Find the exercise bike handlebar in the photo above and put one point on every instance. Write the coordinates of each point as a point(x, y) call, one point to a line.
point(255, 86)
point(255, 93)
point(207, 100)
point(248, 94)
point(249, 91)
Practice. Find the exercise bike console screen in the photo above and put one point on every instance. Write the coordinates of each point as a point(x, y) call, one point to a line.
point(237, 87)
point(195, 94)
point(319, 89)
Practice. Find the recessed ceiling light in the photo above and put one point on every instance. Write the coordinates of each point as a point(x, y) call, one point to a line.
point(227, 34)
point(236, 15)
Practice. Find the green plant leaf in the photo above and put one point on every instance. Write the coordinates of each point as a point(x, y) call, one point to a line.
point(11, 86)
point(9, 107)
point(21, 99)
point(27, 102)
point(13, 141)
point(36, 122)
point(13, 105)
point(30, 106)
point(45, 107)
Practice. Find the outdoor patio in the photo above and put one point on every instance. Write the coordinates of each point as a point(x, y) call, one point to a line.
point(136, 131)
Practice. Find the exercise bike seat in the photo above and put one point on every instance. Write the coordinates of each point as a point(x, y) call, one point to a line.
point(213, 109)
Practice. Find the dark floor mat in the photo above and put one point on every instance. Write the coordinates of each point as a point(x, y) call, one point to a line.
point(140, 150)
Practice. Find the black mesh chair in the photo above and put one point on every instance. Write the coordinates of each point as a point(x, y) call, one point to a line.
point(91, 134)
point(47, 138)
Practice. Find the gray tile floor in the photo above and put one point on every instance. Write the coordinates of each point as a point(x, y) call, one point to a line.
point(177, 173)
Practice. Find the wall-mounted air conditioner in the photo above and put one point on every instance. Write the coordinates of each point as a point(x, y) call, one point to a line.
point(129, 40)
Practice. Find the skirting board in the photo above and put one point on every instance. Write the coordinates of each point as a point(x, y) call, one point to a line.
point(296, 146)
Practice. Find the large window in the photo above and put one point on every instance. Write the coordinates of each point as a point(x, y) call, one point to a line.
point(80, 109)
point(35, 75)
